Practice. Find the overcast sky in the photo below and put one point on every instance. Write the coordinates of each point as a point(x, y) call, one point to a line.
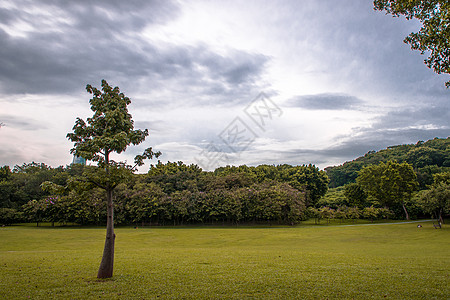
point(218, 82)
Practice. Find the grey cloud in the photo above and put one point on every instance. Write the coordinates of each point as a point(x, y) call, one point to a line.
point(10, 155)
point(103, 44)
point(363, 48)
point(158, 126)
point(39, 66)
point(395, 128)
point(20, 123)
point(5, 16)
point(241, 71)
point(197, 75)
point(100, 44)
point(405, 125)
point(402, 126)
point(353, 147)
point(236, 67)
point(100, 18)
point(325, 101)
point(434, 115)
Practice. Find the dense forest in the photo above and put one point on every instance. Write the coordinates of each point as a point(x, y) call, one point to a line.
point(369, 182)
point(169, 194)
point(409, 181)
point(427, 158)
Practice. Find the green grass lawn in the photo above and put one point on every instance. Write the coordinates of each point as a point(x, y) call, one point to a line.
point(397, 261)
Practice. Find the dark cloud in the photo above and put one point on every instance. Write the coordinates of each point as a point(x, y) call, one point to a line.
point(154, 126)
point(363, 48)
point(434, 115)
point(237, 67)
point(234, 77)
point(20, 123)
point(102, 42)
point(5, 16)
point(87, 42)
point(325, 101)
point(196, 75)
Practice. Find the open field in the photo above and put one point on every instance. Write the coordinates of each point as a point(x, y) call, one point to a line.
point(397, 261)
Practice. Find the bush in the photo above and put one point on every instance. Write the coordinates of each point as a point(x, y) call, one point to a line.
point(10, 216)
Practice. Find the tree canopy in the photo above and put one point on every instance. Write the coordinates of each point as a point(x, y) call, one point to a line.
point(427, 158)
point(178, 194)
point(305, 177)
point(355, 194)
point(434, 36)
point(389, 183)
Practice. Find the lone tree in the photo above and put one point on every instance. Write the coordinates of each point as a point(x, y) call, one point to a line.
point(436, 200)
point(389, 183)
point(433, 37)
point(110, 130)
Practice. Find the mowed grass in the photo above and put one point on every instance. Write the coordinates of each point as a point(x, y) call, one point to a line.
point(397, 261)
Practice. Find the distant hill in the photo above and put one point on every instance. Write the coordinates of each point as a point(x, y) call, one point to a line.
point(427, 158)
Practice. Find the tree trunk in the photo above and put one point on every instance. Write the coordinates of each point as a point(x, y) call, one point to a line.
point(441, 219)
point(107, 264)
point(406, 212)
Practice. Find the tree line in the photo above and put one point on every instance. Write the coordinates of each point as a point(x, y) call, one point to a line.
point(391, 190)
point(169, 194)
point(174, 193)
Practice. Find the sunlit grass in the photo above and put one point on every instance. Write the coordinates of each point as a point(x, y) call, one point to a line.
point(311, 262)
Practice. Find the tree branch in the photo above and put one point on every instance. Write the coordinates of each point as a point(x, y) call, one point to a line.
point(91, 181)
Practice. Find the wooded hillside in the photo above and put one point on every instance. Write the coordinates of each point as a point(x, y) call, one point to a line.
point(427, 158)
